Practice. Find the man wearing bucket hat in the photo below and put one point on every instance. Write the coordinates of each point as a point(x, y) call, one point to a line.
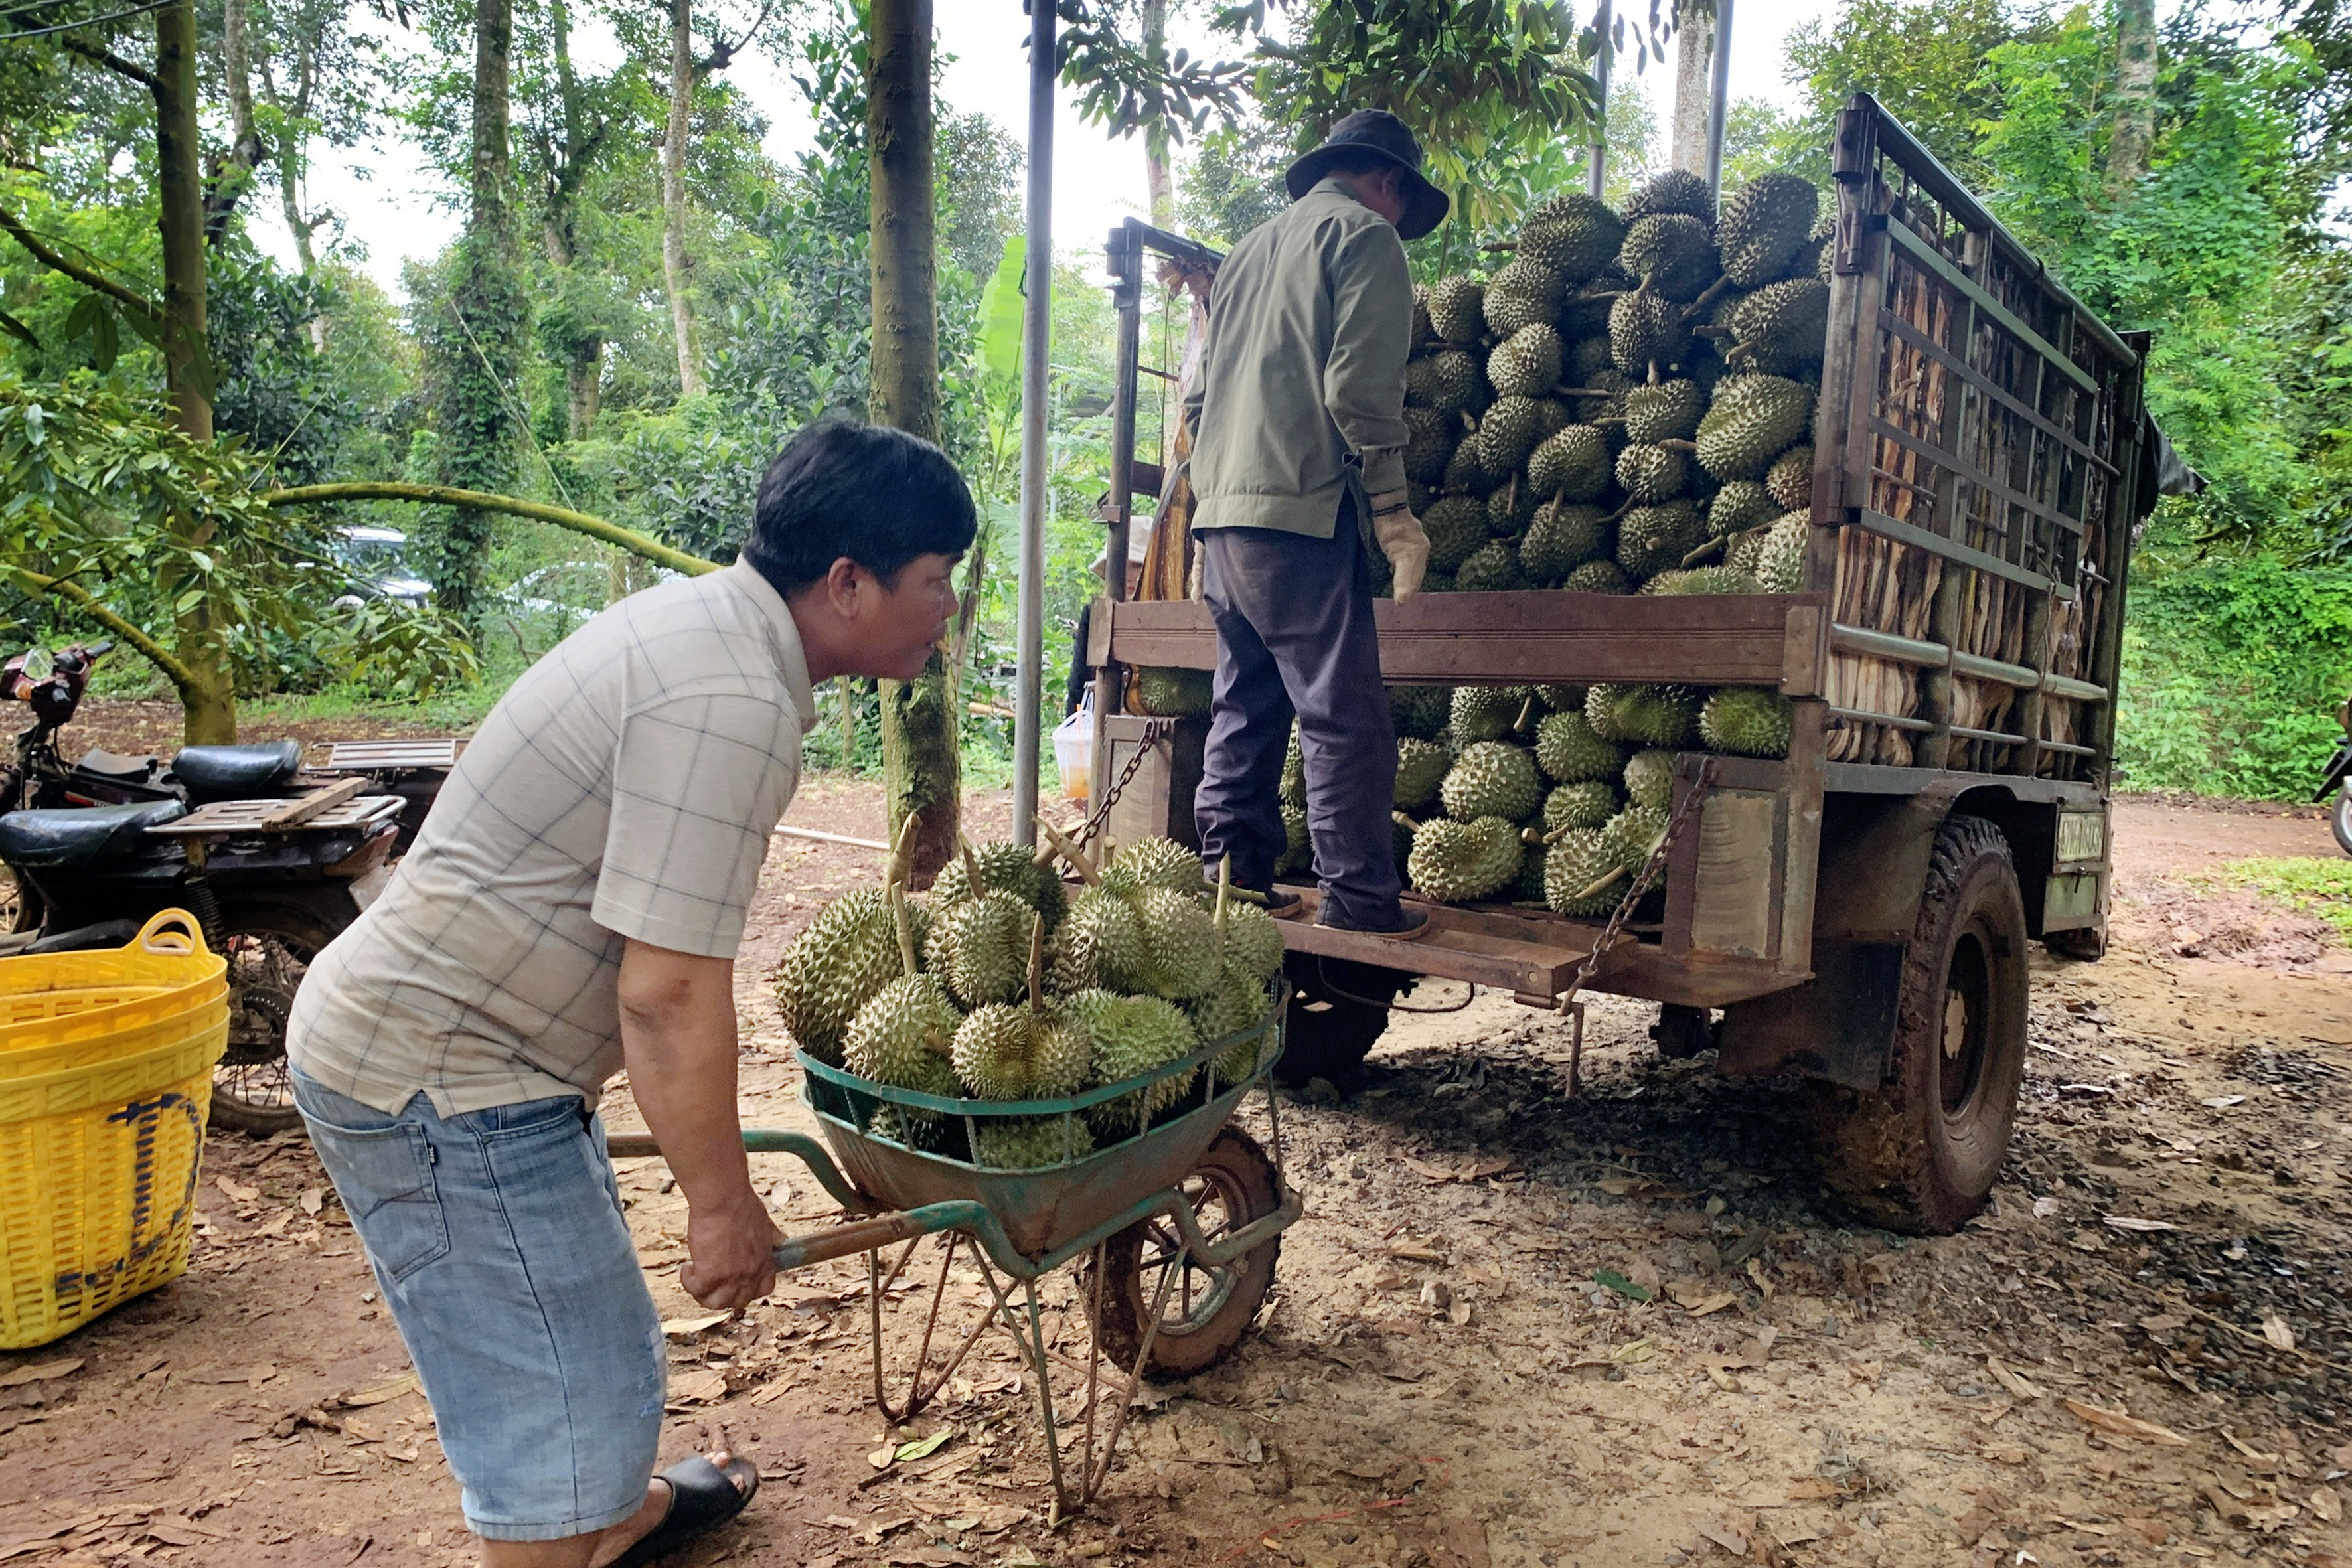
point(1299, 431)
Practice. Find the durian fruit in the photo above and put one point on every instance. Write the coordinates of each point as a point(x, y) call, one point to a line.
point(1292, 786)
point(1703, 580)
point(1508, 432)
point(1570, 463)
point(1562, 535)
point(1663, 411)
point(1780, 560)
point(1645, 328)
point(1586, 805)
point(1597, 577)
point(1584, 315)
point(1429, 443)
point(1014, 1051)
point(1511, 509)
point(1633, 834)
point(1446, 382)
point(1741, 505)
point(1492, 779)
point(1569, 751)
point(1401, 831)
point(1492, 568)
point(1454, 862)
point(1600, 398)
point(979, 947)
point(1763, 225)
point(1160, 862)
point(1817, 258)
point(1253, 941)
point(1753, 419)
point(1675, 191)
point(1521, 294)
point(1525, 363)
point(1423, 335)
point(1235, 1003)
point(1029, 1142)
point(1174, 693)
point(1421, 768)
point(1572, 235)
point(1457, 309)
point(1100, 945)
point(1745, 721)
point(1299, 846)
point(1420, 711)
point(1002, 867)
point(1670, 253)
point(1782, 329)
point(1650, 778)
point(1651, 539)
point(1456, 525)
point(1133, 1035)
point(1465, 471)
point(1663, 716)
point(1581, 873)
point(1589, 355)
point(1651, 474)
point(1561, 699)
point(1489, 713)
point(902, 1035)
point(1789, 480)
point(1180, 943)
point(1529, 888)
point(847, 954)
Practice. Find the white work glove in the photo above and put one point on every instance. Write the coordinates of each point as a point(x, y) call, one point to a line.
point(1401, 541)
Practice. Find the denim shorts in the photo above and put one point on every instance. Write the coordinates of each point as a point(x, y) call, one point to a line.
point(499, 1239)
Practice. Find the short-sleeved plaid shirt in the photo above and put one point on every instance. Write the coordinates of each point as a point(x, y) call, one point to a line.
point(623, 788)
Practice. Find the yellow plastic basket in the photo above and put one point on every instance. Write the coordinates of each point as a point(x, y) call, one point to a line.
point(116, 1000)
point(101, 1136)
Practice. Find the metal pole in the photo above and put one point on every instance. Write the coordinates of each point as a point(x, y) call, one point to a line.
point(1718, 105)
point(1036, 329)
point(1123, 256)
point(1596, 156)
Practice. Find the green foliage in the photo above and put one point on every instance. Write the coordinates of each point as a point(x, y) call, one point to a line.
point(2316, 886)
point(2232, 674)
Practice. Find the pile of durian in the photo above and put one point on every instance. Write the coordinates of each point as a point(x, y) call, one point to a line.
point(1000, 987)
point(1628, 404)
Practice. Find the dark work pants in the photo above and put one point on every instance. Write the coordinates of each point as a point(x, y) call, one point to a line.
point(1295, 635)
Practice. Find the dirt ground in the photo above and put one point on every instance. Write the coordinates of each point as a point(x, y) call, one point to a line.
point(2142, 1353)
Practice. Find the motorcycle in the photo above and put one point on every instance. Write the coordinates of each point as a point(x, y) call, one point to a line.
point(2338, 783)
point(272, 866)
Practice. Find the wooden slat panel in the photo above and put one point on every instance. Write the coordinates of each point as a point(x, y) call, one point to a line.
point(1753, 639)
point(1903, 533)
point(1983, 481)
point(1935, 261)
point(1889, 321)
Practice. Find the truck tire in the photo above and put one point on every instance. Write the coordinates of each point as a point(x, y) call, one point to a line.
point(1338, 1008)
point(1921, 1153)
point(269, 948)
point(2084, 944)
point(1207, 1310)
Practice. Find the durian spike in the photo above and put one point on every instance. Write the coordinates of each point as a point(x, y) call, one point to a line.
point(900, 917)
point(1036, 961)
point(1704, 550)
point(1070, 852)
point(1604, 885)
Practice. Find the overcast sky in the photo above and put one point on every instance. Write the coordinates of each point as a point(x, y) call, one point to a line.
point(395, 206)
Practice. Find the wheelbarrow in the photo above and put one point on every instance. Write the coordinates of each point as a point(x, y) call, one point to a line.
point(1177, 1227)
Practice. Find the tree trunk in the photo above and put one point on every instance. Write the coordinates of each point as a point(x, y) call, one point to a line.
point(1159, 178)
point(1694, 88)
point(677, 266)
point(209, 703)
point(479, 421)
point(921, 769)
point(583, 366)
point(232, 171)
point(2135, 130)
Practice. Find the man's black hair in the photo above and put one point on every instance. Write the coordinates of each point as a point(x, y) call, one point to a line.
point(879, 496)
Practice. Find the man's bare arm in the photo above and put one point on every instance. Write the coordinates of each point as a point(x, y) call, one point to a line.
point(677, 1039)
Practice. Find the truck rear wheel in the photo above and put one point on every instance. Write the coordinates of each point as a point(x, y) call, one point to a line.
point(1338, 1008)
point(1921, 1153)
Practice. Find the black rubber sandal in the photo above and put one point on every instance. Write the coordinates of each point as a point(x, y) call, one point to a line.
point(701, 1499)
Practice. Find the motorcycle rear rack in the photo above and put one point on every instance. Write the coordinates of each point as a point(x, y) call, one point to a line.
point(246, 818)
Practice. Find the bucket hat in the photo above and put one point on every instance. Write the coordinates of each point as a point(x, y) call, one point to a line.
point(1376, 132)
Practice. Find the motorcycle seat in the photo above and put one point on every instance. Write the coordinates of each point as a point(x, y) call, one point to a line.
point(229, 772)
point(114, 766)
point(80, 836)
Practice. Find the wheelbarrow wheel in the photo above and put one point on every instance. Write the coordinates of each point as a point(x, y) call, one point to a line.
point(1208, 1307)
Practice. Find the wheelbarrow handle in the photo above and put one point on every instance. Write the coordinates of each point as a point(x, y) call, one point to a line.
point(882, 1230)
point(760, 1140)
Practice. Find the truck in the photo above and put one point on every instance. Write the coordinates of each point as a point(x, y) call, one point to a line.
point(1859, 913)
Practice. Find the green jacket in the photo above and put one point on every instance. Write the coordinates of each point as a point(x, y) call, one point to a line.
point(1303, 370)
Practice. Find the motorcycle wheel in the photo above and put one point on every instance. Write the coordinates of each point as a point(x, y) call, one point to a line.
point(20, 907)
point(2339, 819)
point(269, 948)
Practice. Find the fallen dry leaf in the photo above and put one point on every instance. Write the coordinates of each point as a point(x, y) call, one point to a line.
point(383, 1394)
point(698, 1388)
point(2275, 1331)
point(2325, 1506)
point(2124, 1426)
point(2014, 1382)
point(682, 1328)
point(236, 1192)
point(313, 1199)
point(2141, 1226)
point(39, 1372)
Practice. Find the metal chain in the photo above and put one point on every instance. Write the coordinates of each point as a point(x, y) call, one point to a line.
point(1640, 885)
point(1154, 730)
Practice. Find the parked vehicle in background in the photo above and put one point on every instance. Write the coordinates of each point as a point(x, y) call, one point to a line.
point(2338, 783)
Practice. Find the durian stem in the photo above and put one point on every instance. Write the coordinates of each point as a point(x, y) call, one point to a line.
point(1225, 892)
point(1564, 390)
point(1604, 885)
point(1704, 550)
point(1715, 333)
point(1036, 962)
point(1679, 445)
point(902, 850)
point(1556, 834)
point(1526, 714)
point(1407, 822)
point(1070, 852)
point(900, 917)
point(971, 865)
point(1709, 296)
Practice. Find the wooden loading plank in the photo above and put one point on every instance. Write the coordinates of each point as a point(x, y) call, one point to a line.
point(301, 809)
point(1726, 639)
point(1530, 957)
